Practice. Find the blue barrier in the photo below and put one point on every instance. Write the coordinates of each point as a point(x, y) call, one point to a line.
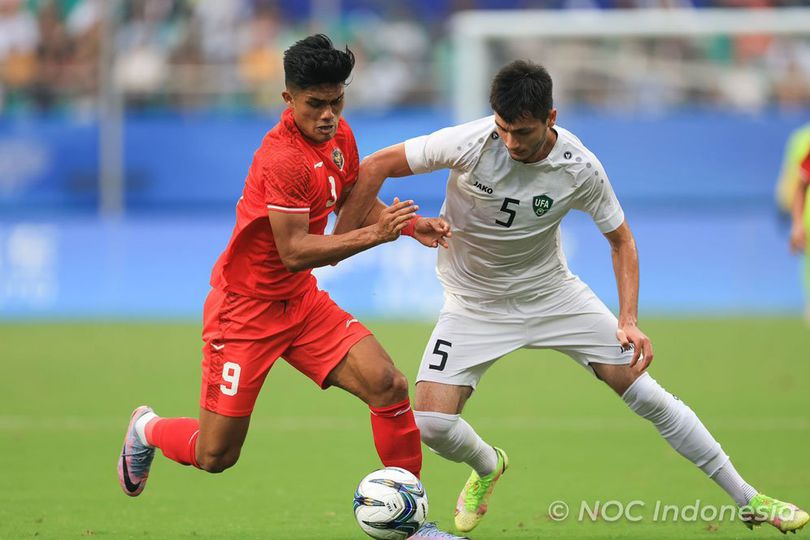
point(187, 162)
point(159, 267)
point(697, 189)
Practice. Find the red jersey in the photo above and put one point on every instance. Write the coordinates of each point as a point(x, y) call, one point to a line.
point(289, 174)
point(804, 167)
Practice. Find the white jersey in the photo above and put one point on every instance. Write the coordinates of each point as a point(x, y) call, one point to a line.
point(505, 215)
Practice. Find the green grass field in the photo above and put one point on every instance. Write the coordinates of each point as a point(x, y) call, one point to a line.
point(68, 390)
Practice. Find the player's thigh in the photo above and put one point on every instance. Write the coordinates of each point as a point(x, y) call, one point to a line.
point(369, 373)
point(584, 329)
point(463, 346)
point(619, 377)
point(442, 398)
point(328, 336)
point(242, 337)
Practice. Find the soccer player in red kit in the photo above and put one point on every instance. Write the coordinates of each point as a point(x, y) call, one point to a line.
point(265, 303)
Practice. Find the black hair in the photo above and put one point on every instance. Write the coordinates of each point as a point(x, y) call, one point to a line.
point(521, 89)
point(314, 61)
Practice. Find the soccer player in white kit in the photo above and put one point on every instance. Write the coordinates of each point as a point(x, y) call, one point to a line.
point(513, 177)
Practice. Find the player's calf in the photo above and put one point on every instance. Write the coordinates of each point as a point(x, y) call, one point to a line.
point(218, 460)
point(396, 436)
point(219, 443)
point(676, 422)
point(216, 454)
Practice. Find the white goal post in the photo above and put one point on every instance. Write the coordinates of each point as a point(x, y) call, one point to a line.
point(474, 31)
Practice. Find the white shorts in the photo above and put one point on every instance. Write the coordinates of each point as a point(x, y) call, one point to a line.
point(471, 333)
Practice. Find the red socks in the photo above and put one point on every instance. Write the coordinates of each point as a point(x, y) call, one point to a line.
point(396, 436)
point(176, 437)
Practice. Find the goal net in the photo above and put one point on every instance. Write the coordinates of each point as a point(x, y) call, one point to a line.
point(640, 60)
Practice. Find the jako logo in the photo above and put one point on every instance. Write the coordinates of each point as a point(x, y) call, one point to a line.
point(482, 187)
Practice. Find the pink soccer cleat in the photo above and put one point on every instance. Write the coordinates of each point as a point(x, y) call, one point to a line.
point(136, 457)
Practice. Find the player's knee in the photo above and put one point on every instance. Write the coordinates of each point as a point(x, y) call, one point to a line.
point(647, 398)
point(398, 387)
point(391, 387)
point(435, 428)
point(215, 461)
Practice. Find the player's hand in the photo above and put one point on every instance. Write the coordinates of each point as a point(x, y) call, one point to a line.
point(432, 232)
point(798, 238)
point(394, 218)
point(630, 334)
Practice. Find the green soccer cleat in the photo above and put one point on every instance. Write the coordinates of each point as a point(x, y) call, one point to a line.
point(784, 516)
point(474, 498)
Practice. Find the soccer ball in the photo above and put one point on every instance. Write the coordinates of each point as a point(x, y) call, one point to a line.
point(390, 504)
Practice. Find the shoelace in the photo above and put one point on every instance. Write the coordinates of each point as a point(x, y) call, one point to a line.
point(139, 457)
point(473, 491)
point(477, 486)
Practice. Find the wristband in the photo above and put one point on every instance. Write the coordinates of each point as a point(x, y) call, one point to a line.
point(411, 226)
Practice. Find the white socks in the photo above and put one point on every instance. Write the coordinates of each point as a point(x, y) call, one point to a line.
point(682, 429)
point(452, 438)
point(140, 426)
point(729, 479)
point(676, 422)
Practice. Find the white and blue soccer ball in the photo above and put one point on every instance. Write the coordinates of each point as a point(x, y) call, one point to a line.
point(390, 504)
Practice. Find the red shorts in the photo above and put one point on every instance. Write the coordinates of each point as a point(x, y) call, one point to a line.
point(245, 336)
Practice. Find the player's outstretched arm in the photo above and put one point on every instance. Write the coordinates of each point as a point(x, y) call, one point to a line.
point(300, 250)
point(386, 163)
point(625, 266)
point(428, 231)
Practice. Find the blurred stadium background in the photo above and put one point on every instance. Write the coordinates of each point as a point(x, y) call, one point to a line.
point(127, 127)
point(126, 130)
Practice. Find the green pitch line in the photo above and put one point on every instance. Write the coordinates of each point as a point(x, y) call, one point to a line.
point(68, 390)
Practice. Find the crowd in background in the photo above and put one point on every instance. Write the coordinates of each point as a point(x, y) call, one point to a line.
point(226, 54)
